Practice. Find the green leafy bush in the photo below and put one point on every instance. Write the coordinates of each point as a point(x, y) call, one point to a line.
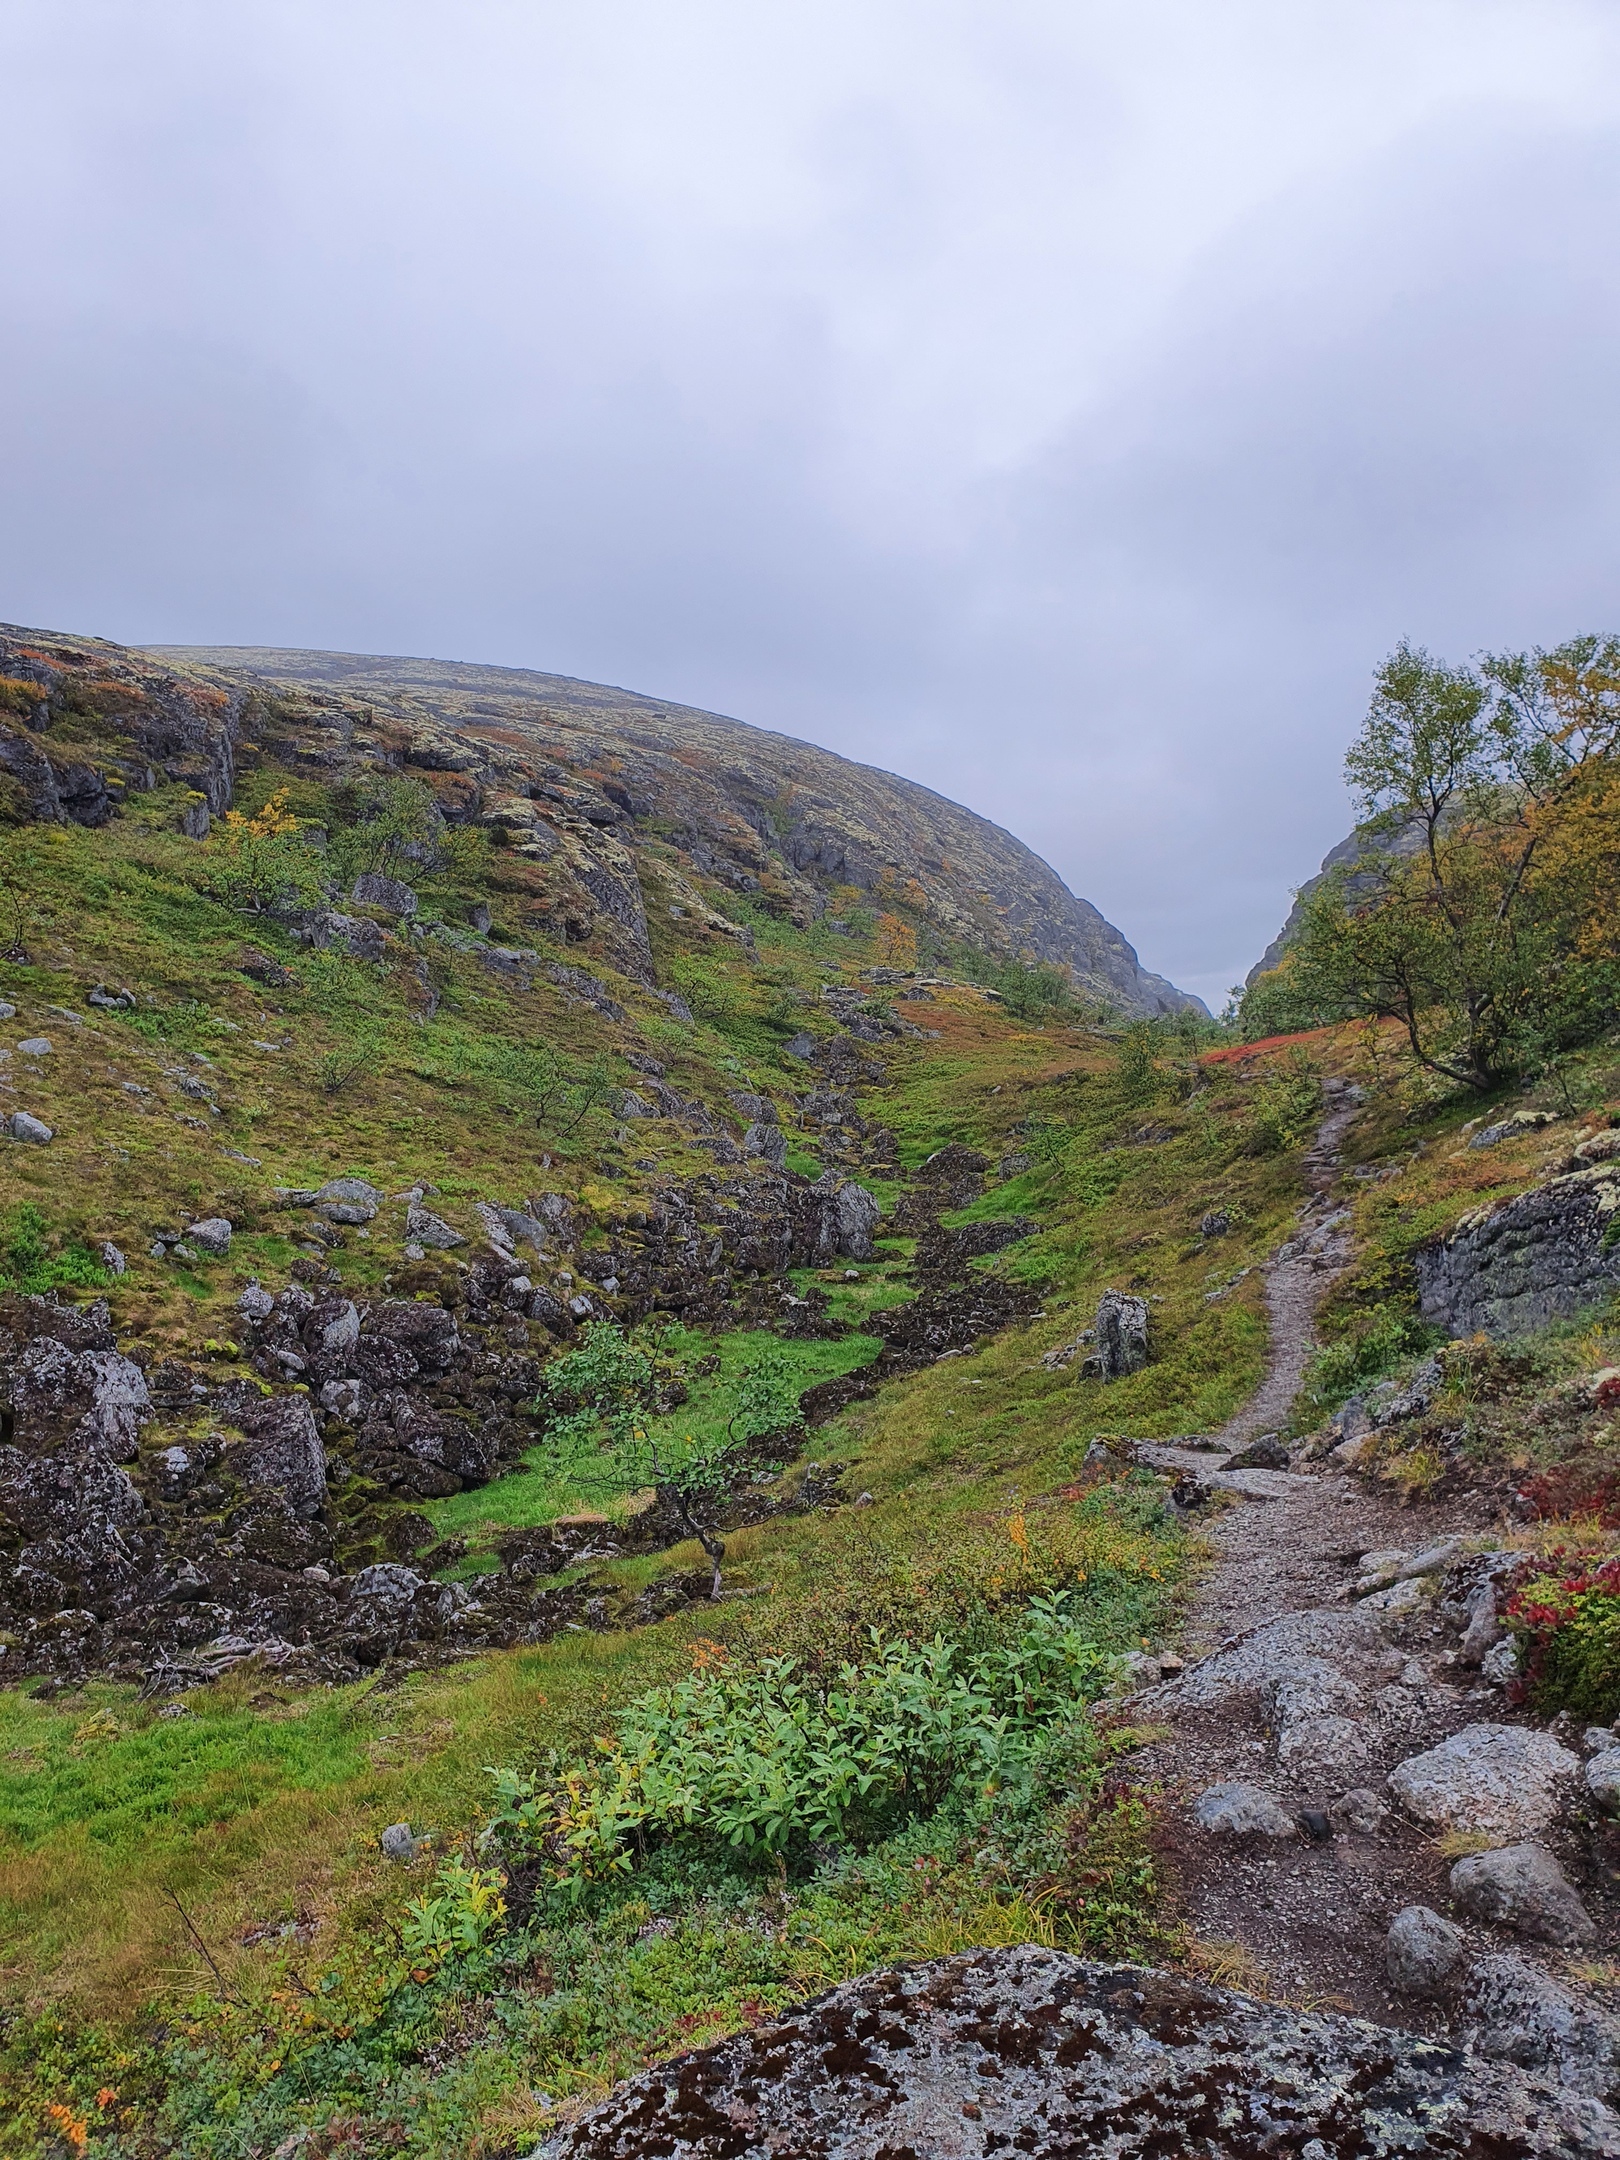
point(1384, 1336)
point(1284, 1107)
point(761, 1756)
point(456, 1917)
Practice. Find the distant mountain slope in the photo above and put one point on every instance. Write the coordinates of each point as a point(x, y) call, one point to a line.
point(739, 799)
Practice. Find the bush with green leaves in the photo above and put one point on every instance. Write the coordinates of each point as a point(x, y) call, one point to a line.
point(1284, 1107)
point(1383, 1336)
point(760, 1756)
point(1567, 1624)
point(456, 1917)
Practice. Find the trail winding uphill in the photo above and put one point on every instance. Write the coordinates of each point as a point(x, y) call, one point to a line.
point(1331, 1733)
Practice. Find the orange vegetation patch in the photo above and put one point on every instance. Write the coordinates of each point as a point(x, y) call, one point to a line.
point(1239, 1051)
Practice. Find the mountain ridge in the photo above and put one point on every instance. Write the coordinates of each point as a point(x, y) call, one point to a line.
point(976, 879)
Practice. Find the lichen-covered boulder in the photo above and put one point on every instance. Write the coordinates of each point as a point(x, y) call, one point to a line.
point(1122, 1337)
point(280, 1451)
point(1034, 2052)
point(1517, 1264)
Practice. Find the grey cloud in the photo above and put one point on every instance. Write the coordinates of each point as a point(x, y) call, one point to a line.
point(850, 377)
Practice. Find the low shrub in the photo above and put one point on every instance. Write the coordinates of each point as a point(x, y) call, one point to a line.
point(28, 1263)
point(1568, 1630)
point(761, 1756)
point(1382, 1336)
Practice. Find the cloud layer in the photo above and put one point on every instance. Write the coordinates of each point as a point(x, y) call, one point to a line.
point(1063, 403)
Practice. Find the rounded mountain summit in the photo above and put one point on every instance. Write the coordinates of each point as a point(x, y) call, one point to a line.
point(611, 791)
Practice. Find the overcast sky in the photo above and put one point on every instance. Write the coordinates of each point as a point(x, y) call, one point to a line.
point(1065, 404)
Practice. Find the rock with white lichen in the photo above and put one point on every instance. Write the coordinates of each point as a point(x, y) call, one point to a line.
point(1031, 2051)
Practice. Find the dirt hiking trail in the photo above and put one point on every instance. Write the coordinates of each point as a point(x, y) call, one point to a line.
point(1309, 1697)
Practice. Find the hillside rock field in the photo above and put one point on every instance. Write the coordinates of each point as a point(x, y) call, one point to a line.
point(682, 1474)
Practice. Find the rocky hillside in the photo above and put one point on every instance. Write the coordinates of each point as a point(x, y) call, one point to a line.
point(579, 774)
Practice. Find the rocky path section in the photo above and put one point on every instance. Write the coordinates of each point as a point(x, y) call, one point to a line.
point(1355, 1812)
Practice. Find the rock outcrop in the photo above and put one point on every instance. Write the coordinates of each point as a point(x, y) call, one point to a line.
point(1519, 1263)
point(1034, 2052)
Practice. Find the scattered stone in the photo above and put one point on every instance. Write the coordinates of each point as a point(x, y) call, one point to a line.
point(424, 1228)
point(1601, 1778)
point(1422, 1951)
point(400, 1843)
point(1598, 1739)
point(22, 1126)
point(1524, 1888)
point(1511, 1128)
point(1058, 2056)
point(260, 968)
point(1215, 1224)
point(113, 1260)
point(1504, 1780)
point(390, 895)
point(36, 1046)
point(255, 1304)
point(1266, 1453)
point(1361, 1809)
point(211, 1236)
point(1500, 1664)
point(1521, 2015)
point(1237, 1810)
point(8, 1011)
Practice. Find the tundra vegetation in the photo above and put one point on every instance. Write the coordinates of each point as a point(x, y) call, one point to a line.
point(895, 1731)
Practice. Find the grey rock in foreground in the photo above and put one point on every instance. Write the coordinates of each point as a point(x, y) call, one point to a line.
point(1422, 1950)
point(1242, 1811)
point(1522, 1887)
point(1506, 1781)
point(1036, 2052)
point(1522, 2015)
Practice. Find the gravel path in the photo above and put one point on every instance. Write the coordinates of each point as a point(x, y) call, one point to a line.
point(1305, 1915)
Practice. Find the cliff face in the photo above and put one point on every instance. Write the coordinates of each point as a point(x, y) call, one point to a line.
point(581, 772)
point(1364, 841)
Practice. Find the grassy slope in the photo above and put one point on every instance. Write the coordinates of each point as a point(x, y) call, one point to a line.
point(253, 1809)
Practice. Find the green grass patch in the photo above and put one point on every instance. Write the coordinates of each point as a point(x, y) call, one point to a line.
point(547, 1487)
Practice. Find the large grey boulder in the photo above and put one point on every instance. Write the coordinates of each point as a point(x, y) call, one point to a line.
point(390, 895)
point(1520, 1263)
point(80, 1402)
point(1524, 1888)
point(1236, 1810)
point(211, 1236)
point(348, 1200)
point(1033, 2052)
point(849, 1218)
point(1506, 1781)
point(1521, 2015)
point(22, 1125)
point(280, 1452)
point(1121, 1337)
point(329, 931)
point(767, 1141)
point(1422, 1950)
